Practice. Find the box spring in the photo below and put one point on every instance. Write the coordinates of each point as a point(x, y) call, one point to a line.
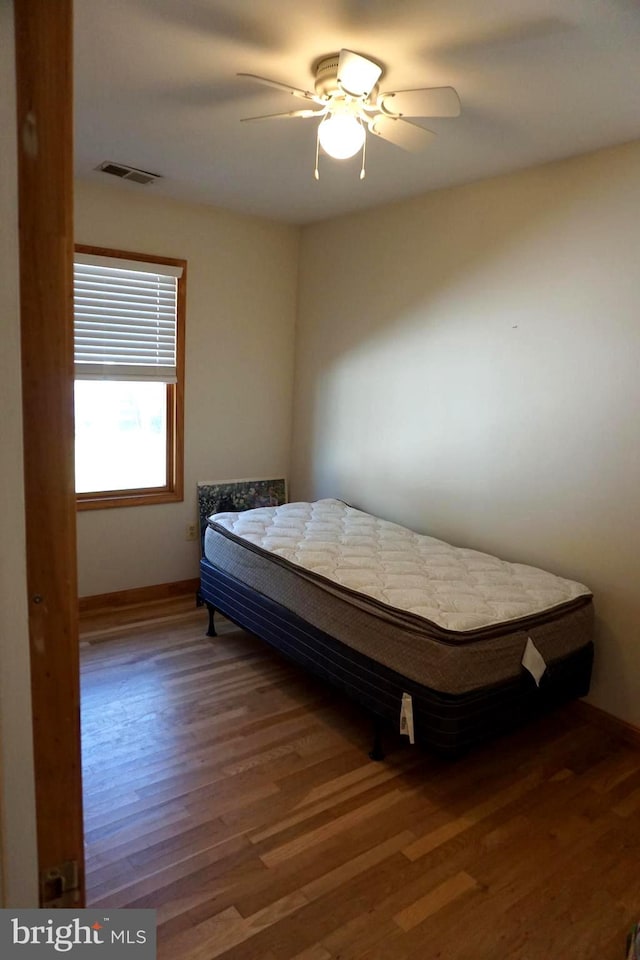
point(446, 722)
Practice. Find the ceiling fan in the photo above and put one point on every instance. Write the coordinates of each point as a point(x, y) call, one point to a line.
point(349, 104)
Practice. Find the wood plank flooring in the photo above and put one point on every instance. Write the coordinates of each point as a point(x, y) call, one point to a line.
point(232, 793)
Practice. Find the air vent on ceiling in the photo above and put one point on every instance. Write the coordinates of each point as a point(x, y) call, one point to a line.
point(128, 173)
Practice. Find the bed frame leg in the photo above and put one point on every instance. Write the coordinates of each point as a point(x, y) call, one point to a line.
point(376, 752)
point(211, 631)
point(199, 598)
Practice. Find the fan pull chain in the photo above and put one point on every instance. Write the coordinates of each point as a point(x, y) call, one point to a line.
point(364, 154)
point(316, 172)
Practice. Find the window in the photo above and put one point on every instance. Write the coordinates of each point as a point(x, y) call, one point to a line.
point(129, 368)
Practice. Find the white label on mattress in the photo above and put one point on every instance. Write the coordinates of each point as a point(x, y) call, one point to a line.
point(406, 716)
point(533, 661)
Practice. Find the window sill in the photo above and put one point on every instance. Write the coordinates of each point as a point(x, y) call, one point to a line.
point(128, 498)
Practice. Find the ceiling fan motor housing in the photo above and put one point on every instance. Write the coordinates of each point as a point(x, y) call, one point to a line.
point(326, 83)
point(327, 76)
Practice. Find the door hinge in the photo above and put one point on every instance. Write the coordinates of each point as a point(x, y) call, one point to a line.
point(60, 886)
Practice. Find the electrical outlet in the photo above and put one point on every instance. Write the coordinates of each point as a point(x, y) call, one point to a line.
point(191, 531)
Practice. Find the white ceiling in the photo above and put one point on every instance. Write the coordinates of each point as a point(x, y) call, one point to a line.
point(156, 88)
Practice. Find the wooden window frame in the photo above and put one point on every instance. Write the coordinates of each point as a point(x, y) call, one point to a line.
point(173, 490)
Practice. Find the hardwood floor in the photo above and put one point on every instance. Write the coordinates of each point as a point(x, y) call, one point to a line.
point(233, 794)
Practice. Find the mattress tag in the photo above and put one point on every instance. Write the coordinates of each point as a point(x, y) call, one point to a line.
point(533, 661)
point(406, 717)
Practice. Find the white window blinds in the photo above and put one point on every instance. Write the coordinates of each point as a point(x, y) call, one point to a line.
point(125, 315)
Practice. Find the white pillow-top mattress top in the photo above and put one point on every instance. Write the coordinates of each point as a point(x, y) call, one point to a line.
point(455, 588)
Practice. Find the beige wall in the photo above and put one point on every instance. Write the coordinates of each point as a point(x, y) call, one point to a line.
point(241, 303)
point(468, 363)
point(17, 802)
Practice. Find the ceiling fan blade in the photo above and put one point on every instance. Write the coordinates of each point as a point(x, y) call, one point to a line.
point(401, 132)
point(428, 102)
point(356, 75)
point(305, 114)
point(294, 91)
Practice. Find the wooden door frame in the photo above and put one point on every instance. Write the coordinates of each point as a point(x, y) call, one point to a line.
point(44, 84)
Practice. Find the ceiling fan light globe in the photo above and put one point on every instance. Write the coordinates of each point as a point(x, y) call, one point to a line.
point(341, 136)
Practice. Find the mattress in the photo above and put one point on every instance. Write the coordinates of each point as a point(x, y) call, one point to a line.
point(451, 619)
